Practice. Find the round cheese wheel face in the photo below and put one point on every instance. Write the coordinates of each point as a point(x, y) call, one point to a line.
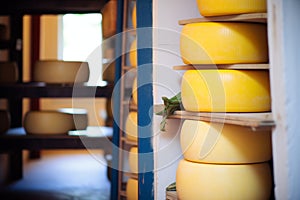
point(61, 72)
point(9, 72)
point(131, 127)
point(230, 7)
point(133, 53)
point(224, 43)
point(216, 181)
point(132, 189)
point(48, 122)
point(133, 159)
point(5, 121)
point(206, 142)
point(226, 91)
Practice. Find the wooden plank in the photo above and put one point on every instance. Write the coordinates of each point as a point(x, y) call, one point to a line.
point(131, 175)
point(171, 195)
point(251, 17)
point(223, 66)
point(255, 121)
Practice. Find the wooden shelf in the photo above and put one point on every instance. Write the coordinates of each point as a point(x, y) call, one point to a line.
point(252, 17)
point(256, 121)
point(129, 142)
point(37, 90)
point(131, 175)
point(92, 138)
point(171, 195)
point(223, 66)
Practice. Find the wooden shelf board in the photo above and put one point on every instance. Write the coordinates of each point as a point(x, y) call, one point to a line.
point(250, 17)
point(127, 68)
point(171, 195)
point(256, 121)
point(223, 66)
point(129, 142)
point(131, 175)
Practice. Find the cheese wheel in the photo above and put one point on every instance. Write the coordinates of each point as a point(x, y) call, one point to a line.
point(224, 43)
point(4, 121)
point(58, 71)
point(226, 90)
point(212, 181)
point(3, 32)
point(80, 117)
point(133, 54)
point(9, 72)
point(134, 92)
point(131, 126)
point(132, 189)
point(48, 122)
point(207, 142)
point(133, 159)
point(229, 7)
point(133, 16)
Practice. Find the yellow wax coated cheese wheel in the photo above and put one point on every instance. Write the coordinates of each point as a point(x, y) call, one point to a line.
point(58, 71)
point(133, 16)
point(224, 43)
point(9, 72)
point(229, 7)
point(131, 126)
point(207, 142)
point(226, 90)
point(133, 53)
point(134, 92)
point(132, 189)
point(133, 159)
point(5, 121)
point(214, 181)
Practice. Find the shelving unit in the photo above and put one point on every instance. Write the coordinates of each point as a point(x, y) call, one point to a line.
point(16, 140)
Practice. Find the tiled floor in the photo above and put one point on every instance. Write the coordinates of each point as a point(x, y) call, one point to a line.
point(62, 175)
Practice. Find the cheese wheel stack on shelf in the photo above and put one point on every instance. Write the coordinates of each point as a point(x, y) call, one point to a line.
point(224, 161)
point(5, 121)
point(9, 72)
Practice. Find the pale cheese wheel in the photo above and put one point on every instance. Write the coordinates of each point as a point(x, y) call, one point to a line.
point(9, 72)
point(226, 90)
point(133, 159)
point(59, 72)
point(133, 16)
point(80, 117)
point(230, 7)
point(207, 142)
point(224, 43)
point(132, 189)
point(131, 127)
point(133, 53)
point(134, 92)
point(215, 181)
point(5, 121)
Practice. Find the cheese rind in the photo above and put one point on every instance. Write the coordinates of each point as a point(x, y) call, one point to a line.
point(133, 16)
point(133, 54)
point(230, 7)
point(132, 189)
point(58, 71)
point(224, 43)
point(131, 127)
point(5, 121)
point(207, 142)
point(215, 181)
point(134, 92)
point(226, 91)
point(9, 72)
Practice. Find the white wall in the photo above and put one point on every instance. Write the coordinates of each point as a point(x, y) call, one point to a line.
point(167, 82)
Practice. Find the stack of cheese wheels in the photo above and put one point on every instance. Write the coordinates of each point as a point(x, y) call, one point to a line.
point(4, 121)
point(131, 126)
point(133, 16)
point(132, 189)
point(55, 121)
point(133, 53)
point(9, 72)
point(230, 7)
point(61, 72)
